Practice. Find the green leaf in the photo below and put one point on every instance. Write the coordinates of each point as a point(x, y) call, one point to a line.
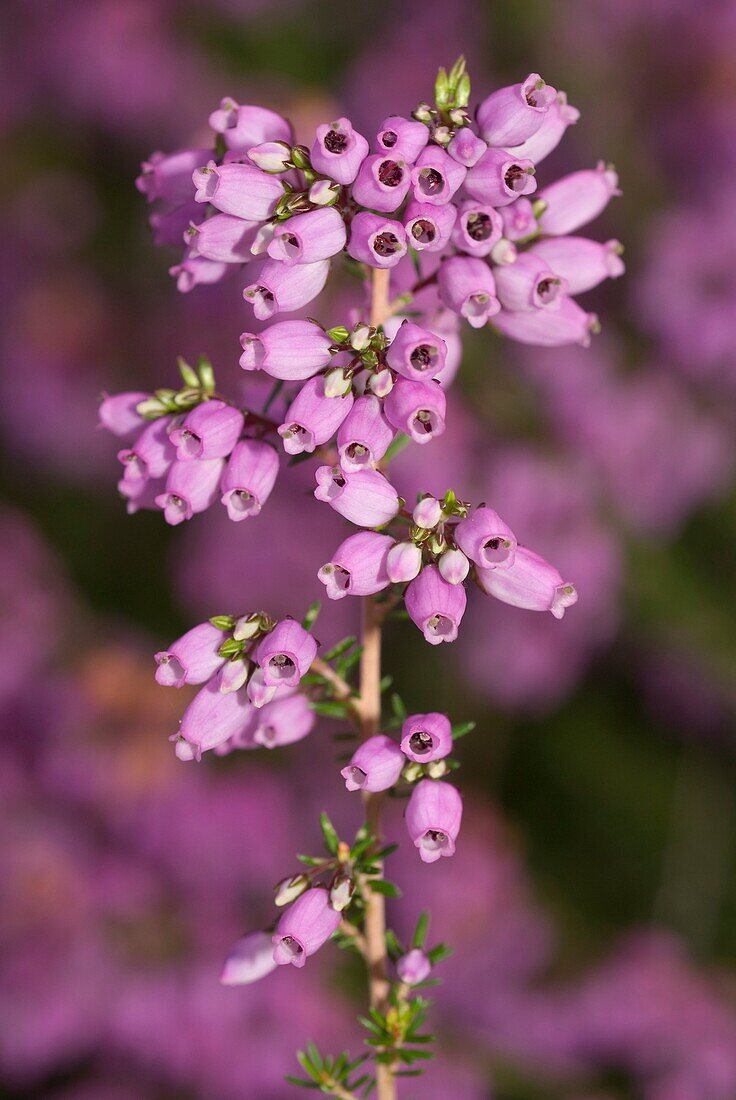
point(311, 616)
point(301, 1082)
point(329, 708)
point(439, 953)
point(383, 886)
point(329, 833)
point(398, 707)
point(420, 932)
point(340, 648)
point(275, 391)
point(396, 447)
point(462, 729)
point(206, 374)
point(386, 683)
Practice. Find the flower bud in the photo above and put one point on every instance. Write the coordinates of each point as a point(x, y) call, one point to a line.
point(289, 889)
point(486, 539)
point(364, 497)
point(285, 654)
point(338, 151)
point(304, 928)
point(433, 818)
point(510, 115)
point(307, 238)
point(402, 137)
point(417, 408)
point(239, 189)
point(376, 240)
point(342, 890)
point(436, 176)
point(282, 289)
point(290, 350)
point(530, 582)
point(504, 252)
point(403, 562)
point(381, 383)
point(337, 382)
point(576, 199)
point(248, 479)
point(358, 566)
point(250, 959)
point(313, 418)
point(191, 487)
point(247, 627)
point(270, 156)
point(416, 352)
point(324, 193)
point(435, 606)
point(427, 513)
point(382, 183)
point(466, 286)
point(414, 967)
point(426, 737)
point(191, 659)
point(454, 566)
point(364, 435)
point(210, 430)
point(375, 765)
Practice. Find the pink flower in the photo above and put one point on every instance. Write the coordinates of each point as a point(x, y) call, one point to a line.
point(210, 430)
point(436, 176)
point(313, 418)
point(417, 408)
point(435, 606)
point(486, 539)
point(377, 241)
point(375, 765)
point(402, 137)
point(191, 659)
point(416, 352)
point(282, 289)
point(511, 115)
point(307, 238)
point(191, 487)
point(358, 566)
point(364, 435)
point(426, 737)
point(433, 817)
point(529, 582)
point(305, 926)
point(365, 497)
point(239, 189)
point(338, 151)
point(250, 959)
point(382, 183)
point(414, 967)
point(291, 350)
point(248, 479)
point(576, 199)
point(285, 654)
point(467, 287)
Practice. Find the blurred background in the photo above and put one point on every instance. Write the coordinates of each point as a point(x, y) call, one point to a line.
point(592, 902)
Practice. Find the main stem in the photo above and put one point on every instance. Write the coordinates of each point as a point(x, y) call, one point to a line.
point(370, 704)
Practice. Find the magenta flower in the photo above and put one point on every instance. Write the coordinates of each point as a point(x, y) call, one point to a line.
point(433, 817)
point(152, 453)
point(305, 926)
point(313, 418)
point(428, 227)
point(197, 271)
point(478, 228)
point(375, 765)
point(191, 487)
point(248, 479)
point(285, 654)
point(577, 199)
point(141, 493)
point(530, 582)
point(169, 177)
point(223, 238)
point(119, 413)
point(214, 716)
point(282, 289)
point(414, 967)
point(291, 350)
point(499, 178)
point(529, 283)
point(403, 562)
point(402, 137)
point(364, 435)
point(365, 497)
point(435, 606)
point(242, 127)
point(426, 737)
point(338, 151)
point(210, 430)
point(250, 959)
point(558, 117)
point(583, 264)
point(191, 659)
point(377, 241)
point(416, 352)
point(486, 539)
point(436, 176)
point(570, 324)
point(239, 189)
point(307, 238)
point(466, 286)
point(510, 115)
point(358, 566)
point(417, 408)
point(382, 183)
point(283, 721)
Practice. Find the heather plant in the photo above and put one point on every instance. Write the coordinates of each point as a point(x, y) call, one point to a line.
point(440, 220)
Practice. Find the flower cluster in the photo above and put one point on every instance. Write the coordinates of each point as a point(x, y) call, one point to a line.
point(251, 668)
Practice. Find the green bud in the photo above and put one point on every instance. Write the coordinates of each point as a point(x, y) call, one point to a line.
point(538, 207)
point(412, 772)
point(338, 382)
point(151, 409)
point(436, 769)
point(462, 91)
point(457, 72)
point(338, 334)
point(231, 647)
point(342, 889)
point(188, 374)
point(361, 336)
point(223, 622)
point(300, 157)
point(289, 889)
point(206, 374)
point(442, 135)
point(423, 113)
point(441, 89)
